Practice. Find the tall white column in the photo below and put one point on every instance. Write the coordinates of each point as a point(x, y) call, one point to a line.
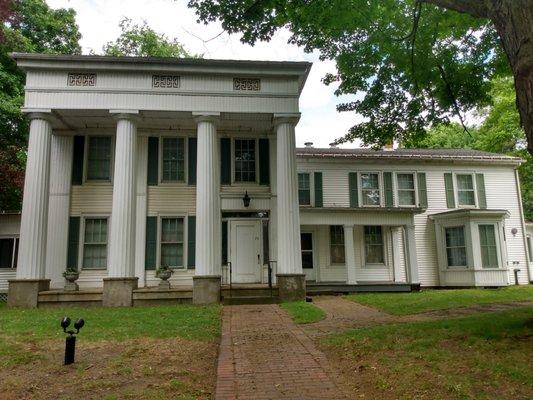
point(289, 253)
point(208, 215)
point(58, 208)
point(349, 254)
point(33, 228)
point(412, 258)
point(122, 229)
point(140, 234)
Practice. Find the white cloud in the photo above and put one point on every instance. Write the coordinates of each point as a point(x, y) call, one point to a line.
point(98, 21)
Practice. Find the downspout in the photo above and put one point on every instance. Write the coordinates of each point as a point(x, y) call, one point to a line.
point(523, 222)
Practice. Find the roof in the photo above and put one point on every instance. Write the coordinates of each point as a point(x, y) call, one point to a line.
point(406, 154)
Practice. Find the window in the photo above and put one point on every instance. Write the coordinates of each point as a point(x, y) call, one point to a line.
point(244, 160)
point(374, 245)
point(336, 234)
point(171, 242)
point(99, 158)
point(306, 240)
point(530, 248)
point(95, 243)
point(455, 246)
point(173, 159)
point(406, 189)
point(465, 190)
point(370, 189)
point(487, 241)
point(8, 252)
point(304, 189)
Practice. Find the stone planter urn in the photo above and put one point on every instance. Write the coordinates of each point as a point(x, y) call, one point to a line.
point(70, 280)
point(164, 275)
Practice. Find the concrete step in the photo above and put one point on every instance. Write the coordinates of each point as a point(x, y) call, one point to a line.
point(249, 292)
point(154, 296)
point(61, 298)
point(250, 300)
point(315, 289)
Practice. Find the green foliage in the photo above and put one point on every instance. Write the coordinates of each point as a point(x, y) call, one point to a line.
point(303, 312)
point(143, 41)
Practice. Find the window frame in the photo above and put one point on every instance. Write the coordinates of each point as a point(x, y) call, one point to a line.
point(185, 218)
point(14, 254)
point(233, 161)
point(396, 188)
point(86, 179)
point(185, 161)
point(81, 249)
point(496, 245)
point(311, 189)
point(529, 245)
point(383, 247)
point(312, 251)
point(466, 244)
point(343, 262)
point(456, 189)
point(360, 188)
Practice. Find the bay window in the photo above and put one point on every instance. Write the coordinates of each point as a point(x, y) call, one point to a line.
point(455, 246)
point(487, 242)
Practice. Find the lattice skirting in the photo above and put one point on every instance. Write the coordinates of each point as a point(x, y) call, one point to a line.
point(3, 297)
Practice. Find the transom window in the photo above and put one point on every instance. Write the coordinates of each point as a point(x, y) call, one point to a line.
point(374, 245)
point(304, 189)
point(406, 189)
point(172, 242)
point(465, 190)
point(245, 160)
point(99, 158)
point(336, 234)
point(370, 188)
point(8, 252)
point(487, 241)
point(173, 160)
point(95, 243)
point(455, 246)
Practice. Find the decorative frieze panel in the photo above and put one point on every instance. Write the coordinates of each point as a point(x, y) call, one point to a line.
point(253, 84)
point(165, 81)
point(81, 79)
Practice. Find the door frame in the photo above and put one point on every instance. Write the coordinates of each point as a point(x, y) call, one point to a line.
point(258, 222)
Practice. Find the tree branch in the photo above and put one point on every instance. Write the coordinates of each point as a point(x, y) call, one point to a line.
point(475, 8)
point(454, 99)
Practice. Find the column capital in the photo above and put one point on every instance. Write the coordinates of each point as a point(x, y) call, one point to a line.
point(131, 115)
point(38, 113)
point(206, 116)
point(286, 118)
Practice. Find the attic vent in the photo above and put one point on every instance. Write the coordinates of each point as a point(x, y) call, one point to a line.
point(165, 81)
point(308, 144)
point(77, 79)
point(253, 84)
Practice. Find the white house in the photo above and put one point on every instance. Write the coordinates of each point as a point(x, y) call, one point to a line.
point(138, 163)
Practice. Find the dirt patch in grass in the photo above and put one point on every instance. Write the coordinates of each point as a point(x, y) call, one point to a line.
point(143, 368)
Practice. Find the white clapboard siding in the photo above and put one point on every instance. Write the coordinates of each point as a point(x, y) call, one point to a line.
point(168, 199)
point(5, 275)
point(91, 199)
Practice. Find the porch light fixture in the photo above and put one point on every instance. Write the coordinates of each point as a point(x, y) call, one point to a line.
point(246, 200)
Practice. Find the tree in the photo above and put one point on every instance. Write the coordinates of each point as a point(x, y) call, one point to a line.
point(27, 26)
point(143, 41)
point(418, 62)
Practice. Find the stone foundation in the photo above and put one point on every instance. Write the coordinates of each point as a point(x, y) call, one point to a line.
point(291, 287)
point(25, 292)
point(118, 292)
point(206, 289)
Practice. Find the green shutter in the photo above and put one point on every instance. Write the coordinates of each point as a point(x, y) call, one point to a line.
point(481, 196)
point(191, 242)
point(387, 185)
point(224, 242)
point(73, 242)
point(225, 161)
point(150, 258)
point(264, 162)
point(448, 184)
point(192, 160)
point(77, 160)
point(153, 161)
point(422, 190)
point(319, 194)
point(354, 193)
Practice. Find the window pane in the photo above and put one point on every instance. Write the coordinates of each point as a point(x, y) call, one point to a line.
point(6, 252)
point(337, 244)
point(369, 181)
point(99, 158)
point(374, 245)
point(464, 182)
point(455, 246)
point(172, 242)
point(406, 198)
point(466, 198)
point(245, 160)
point(95, 245)
point(307, 259)
point(487, 240)
point(406, 181)
point(173, 159)
point(306, 241)
point(172, 254)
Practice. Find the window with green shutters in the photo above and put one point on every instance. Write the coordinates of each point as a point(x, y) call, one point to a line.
point(95, 243)
point(173, 163)
point(304, 189)
point(406, 189)
point(455, 246)
point(487, 242)
point(172, 242)
point(370, 192)
point(245, 160)
point(374, 245)
point(99, 158)
point(465, 190)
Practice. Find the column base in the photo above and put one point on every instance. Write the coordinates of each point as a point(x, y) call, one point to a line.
point(291, 287)
point(25, 292)
point(118, 292)
point(206, 289)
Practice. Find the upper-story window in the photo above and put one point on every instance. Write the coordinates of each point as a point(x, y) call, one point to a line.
point(455, 246)
point(336, 239)
point(465, 190)
point(304, 189)
point(173, 168)
point(8, 252)
point(99, 158)
point(245, 160)
point(406, 189)
point(374, 246)
point(370, 192)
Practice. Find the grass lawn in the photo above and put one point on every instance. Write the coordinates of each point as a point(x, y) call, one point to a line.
point(302, 312)
point(482, 356)
point(164, 352)
point(430, 300)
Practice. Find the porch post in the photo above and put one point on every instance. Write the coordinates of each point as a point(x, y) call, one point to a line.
point(24, 290)
point(411, 256)
point(349, 255)
point(121, 280)
point(290, 276)
point(208, 269)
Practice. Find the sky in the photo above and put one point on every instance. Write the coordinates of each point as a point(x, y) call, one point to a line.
point(320, 122)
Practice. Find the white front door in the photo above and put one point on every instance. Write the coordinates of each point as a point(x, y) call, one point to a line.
point(245, 248)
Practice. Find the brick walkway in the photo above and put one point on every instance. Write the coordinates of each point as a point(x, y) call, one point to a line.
point(264, 355)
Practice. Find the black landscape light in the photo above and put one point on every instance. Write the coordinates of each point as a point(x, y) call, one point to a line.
point(246, 200)
point(70, 341)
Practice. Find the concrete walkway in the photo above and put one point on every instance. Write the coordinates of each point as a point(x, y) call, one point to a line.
point(264, 355)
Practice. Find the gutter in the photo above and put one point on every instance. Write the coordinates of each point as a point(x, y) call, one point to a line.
point(529, 265)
